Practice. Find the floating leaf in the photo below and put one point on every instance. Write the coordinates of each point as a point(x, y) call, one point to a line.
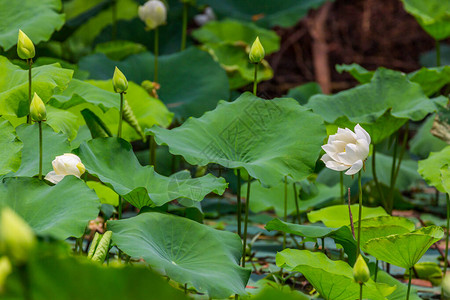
point(237, 134)
point(404, 250)
point(10, 148)
point(337, 215)
point(381, 106)
point(332, 279)
point(184, 87)
point(430, 168)
point(113, 161)
point(37, 19)
point(14, 85)
point(186, 251)
point(60, 211)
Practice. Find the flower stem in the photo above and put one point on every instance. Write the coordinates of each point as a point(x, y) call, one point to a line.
point(360, 291)
point(285, 209)
point(40, 150)
point(438, 53)
point(184, 29)
point(119, 131)
point(358, 249)
point(255, 80)
point(30, 63)
point(409, 283)
point(238, 200)
point(350, 214)
point(299, 219)
point(446, 237)
point(156, 53)
point(247, 202)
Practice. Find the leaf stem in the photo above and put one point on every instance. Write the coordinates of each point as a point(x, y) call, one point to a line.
point(156, 53)
point(350, 213)
point(438, 53)
point(376, 270)
point(255, 80)
point(40, 150)
point(358, 249)
point(299, 218)
point(409, 284)
point(184, 29)
point(360, 291)
point(446, 237)
point(239, 206)
point(119, 131)
point(247, 202)
point(285, 209)
point(30, 63)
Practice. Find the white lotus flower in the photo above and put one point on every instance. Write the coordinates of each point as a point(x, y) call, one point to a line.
point(67, 164)
point(347, 150)
point(153, 13)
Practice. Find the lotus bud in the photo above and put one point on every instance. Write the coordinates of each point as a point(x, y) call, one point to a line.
point(16, 237)
point(256, 52)
point(361, 272)
point(120, 82)
point(153, 13)
point(67, 164)
point(5, 270)
point(37, 109)
point(25, 47)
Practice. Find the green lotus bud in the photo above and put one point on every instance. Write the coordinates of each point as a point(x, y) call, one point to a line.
point(5, 270)
point(25, 47)
point(361, 272)
point(256, 52)
point(37, 109)
point(153, 13)
point(16, 237)
point(120, 82)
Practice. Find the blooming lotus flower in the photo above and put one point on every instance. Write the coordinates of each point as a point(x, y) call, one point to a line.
point(67, 164)
point(347, 150)
point(153, 13)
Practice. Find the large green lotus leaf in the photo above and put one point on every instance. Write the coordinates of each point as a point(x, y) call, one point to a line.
point(60, 211)
point(337, 215)
point(445, 173)
point(63, 121)
point(10, 148)
point(119, 49)
point(430, 168)
point(232, 31)
point(270, 293)
point(186, 251)
point(303, 92)
point(53, 144)
point(401, 290)
point(48, 270)
point(424, 142)
point(263, 199)
point(38, 19)
point(191, 81)
point(104, 193)
point(332, 279)
point(432, 15)
point(361, 74)
point(383, 226)
point(113, 161)
point(14, 85)
point(244, 134)
point(266, 13)
point(404, 250)
point(381, 106)
point(342, 236)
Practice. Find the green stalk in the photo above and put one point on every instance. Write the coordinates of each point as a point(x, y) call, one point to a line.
point(299, 220)
point(30, 63)
point(438, 53)
point(375, 177)
point(25, 280)
point(156, 53)
point(119, 131)
point(409, 283)
point(184, 29)
point(246, 220)
point(390, 201)
point(360, 291)
point(255, 80)
point(359, 216)
point(285, 209)
point(238, 200)
point(396, 169)
point(446, 237)
point(376, 271)
point(40, 150)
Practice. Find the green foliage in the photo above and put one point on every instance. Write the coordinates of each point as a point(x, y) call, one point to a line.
point(59, 211)
point(303, 92)
point(236, 135)
point(184, 250)
point(424, 142)
point(430, 168)
point(119, 50)
point(10, 148)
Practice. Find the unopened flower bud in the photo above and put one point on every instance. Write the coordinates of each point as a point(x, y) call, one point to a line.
point(256, 52)
point(67, 164)
point(16, 237)
point(25, 47)
point(120, 82)
point(153, 13)
point(361, 272)
point(37, 109)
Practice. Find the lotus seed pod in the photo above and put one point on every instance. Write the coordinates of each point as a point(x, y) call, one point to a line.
point(25, 47)
point(120, 82)
point(37, 109)
point(16, 237)
point(256, 52)
point(361, 272)
point(153, 13)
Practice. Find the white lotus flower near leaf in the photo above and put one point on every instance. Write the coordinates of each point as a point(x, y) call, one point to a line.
point(67, 164)
point(347, 150)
